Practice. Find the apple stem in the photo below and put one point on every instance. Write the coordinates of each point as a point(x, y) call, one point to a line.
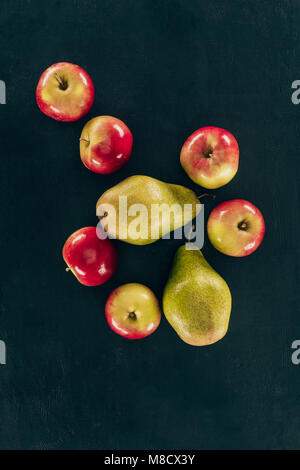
point(84, 140)
point(68, 269)
point(132, 315)
point(63, 84)
point(212, 196)
point(243, 225)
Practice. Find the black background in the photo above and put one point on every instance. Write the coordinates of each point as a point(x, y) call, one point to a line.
point(166, 68)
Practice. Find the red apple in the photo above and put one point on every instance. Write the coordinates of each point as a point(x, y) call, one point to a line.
point(91, 259)
point(236, 227)
point(65, 92)
point(132, 311)
point(210, 157)
point(105, 144)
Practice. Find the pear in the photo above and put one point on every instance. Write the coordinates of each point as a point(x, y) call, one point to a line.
point(140, 209)
point(196, 299)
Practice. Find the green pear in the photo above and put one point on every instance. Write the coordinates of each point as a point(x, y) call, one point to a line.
point(196, 299)
point(140, 209)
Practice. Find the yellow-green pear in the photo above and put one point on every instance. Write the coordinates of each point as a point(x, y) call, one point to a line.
point(196, 299)
point(141, 210)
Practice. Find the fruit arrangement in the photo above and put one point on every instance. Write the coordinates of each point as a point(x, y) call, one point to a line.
point(196, 299)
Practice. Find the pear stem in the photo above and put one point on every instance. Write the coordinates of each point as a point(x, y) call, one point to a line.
point(102, 216)
point(212, 196)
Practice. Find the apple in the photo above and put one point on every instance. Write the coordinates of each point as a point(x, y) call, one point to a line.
point(236, 228)
point(210, 157)
point(91, 259)
point(105, 144)
point(65, 92)
point(133, 311)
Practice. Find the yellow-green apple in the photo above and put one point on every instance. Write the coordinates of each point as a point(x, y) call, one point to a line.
point(133, 311)
point(105, 144)
point(210, 157)
point(65, 92)
point(236, 227)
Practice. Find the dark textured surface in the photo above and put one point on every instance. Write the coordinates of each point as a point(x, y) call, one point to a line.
point(166, 68)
